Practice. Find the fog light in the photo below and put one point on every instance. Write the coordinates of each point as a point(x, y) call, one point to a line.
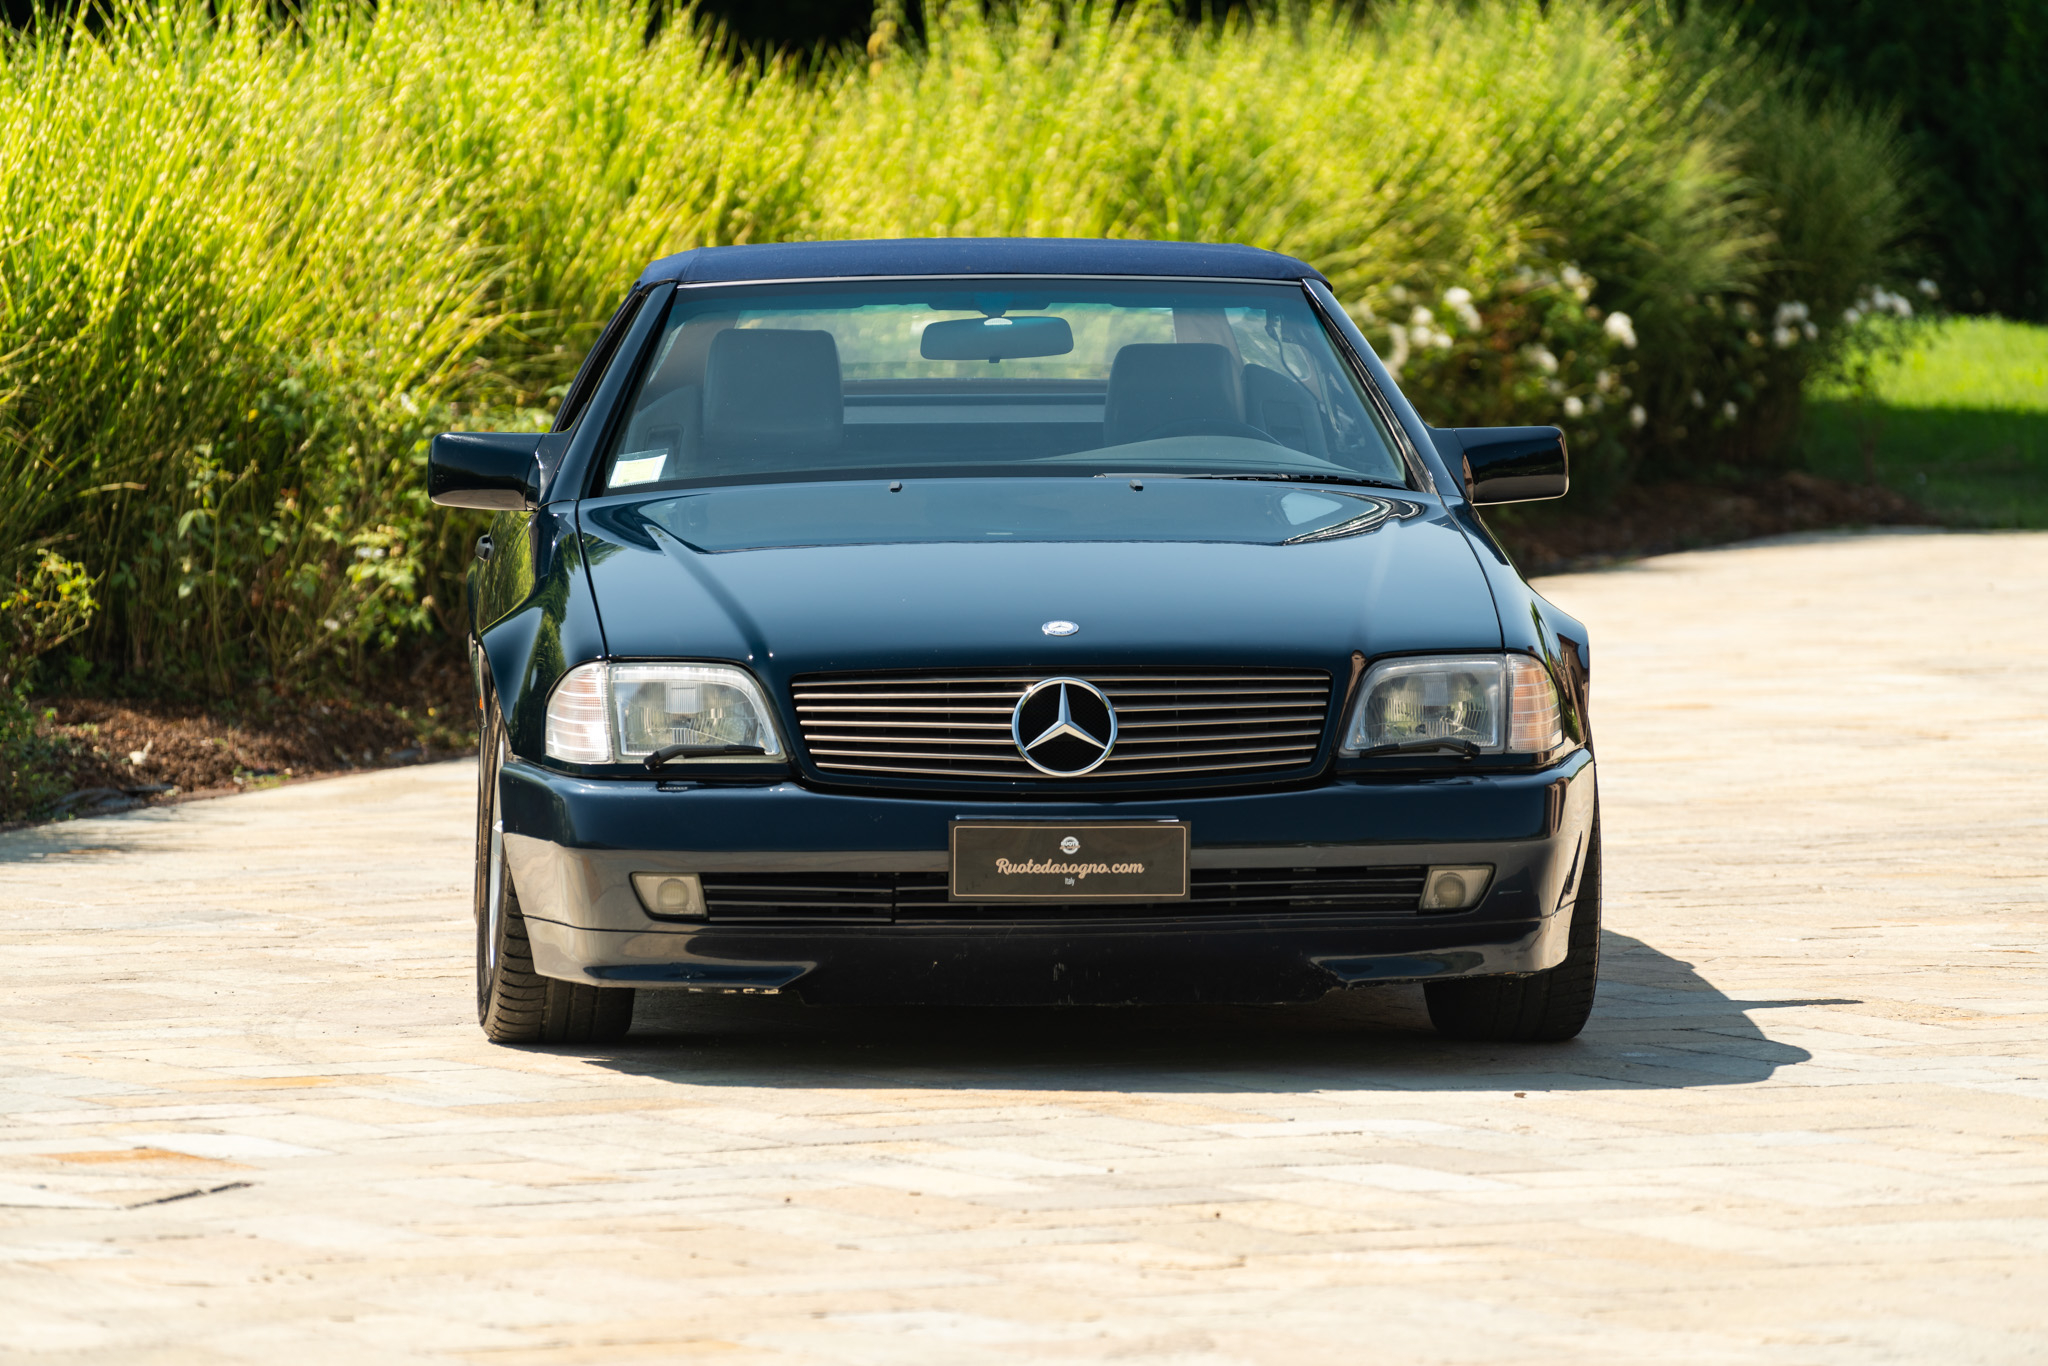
point(1455, 889)
point(670, 894)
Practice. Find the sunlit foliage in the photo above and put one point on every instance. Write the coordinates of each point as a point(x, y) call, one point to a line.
point(247, 265)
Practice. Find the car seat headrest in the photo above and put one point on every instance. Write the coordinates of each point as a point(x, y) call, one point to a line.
point(1154, 385)
point(776, 391)
point(1284, 409)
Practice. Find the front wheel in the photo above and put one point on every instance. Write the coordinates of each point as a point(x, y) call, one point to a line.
point(515, 1004)
point(1544, 1007)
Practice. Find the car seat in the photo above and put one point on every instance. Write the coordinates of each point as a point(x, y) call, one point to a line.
point(1284, 409)
point(772, 397)
point(1162, 384)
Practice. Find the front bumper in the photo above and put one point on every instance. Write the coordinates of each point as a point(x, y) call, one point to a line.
point(573, 843)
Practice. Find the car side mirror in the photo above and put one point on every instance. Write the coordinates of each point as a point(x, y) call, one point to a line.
point(494, 471)
point(1506, 464)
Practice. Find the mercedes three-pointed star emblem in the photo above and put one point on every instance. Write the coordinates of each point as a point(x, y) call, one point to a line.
point(1064, 727)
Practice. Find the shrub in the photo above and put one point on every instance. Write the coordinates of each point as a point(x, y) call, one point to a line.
point(1968, 80)
point(49, 602)
point(248, 265)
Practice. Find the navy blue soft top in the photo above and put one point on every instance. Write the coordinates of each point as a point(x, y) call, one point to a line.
point(973, 256)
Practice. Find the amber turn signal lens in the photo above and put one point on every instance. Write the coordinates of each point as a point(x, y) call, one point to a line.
point(578, 730)
point(1533, 723)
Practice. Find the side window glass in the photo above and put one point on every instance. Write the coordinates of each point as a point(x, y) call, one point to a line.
point(585, 383)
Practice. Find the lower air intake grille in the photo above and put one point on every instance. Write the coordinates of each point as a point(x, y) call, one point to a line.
point(733, 898)
point(1250, 723)
point(756, 898)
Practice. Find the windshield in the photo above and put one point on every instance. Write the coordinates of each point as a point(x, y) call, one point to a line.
point(1002, 376)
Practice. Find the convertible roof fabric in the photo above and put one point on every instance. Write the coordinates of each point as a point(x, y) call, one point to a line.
point(972, 256)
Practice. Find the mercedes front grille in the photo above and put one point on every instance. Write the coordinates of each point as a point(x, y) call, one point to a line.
point(1250, 723)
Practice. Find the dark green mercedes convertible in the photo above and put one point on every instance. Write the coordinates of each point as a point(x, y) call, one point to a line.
point(1009, 622)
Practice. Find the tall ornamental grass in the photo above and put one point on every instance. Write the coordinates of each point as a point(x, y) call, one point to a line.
point(247, 265)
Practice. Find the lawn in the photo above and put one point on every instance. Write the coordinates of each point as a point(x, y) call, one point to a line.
point(1961, 424)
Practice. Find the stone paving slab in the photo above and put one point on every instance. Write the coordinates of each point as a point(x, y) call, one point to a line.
point(245, 1114)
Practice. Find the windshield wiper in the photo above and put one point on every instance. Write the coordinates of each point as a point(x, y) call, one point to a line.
point(669, 752)
point(1291, 477)
point(1464, 747)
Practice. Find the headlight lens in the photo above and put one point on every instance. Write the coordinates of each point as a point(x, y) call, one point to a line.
point(1493, 704)
point(614, 713)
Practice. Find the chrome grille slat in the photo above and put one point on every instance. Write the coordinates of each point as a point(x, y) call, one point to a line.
point(916, 711)
point(938, 741)
point(933, 680)
point(1167, 756)
point(844, 721)
point(1003, 698)
point(1295, 732)
point(1119, 693)
point(1252, 725)
point(1310, 725)
point(897, 754)
point(1277, 676)
point(1295, 762)
point(1308, 708)
point(1022, 770)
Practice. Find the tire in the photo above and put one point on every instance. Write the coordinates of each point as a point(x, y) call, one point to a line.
point(515, 1004)
point(1543, 1007)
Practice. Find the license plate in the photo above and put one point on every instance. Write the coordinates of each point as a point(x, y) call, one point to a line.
point(1078, 861)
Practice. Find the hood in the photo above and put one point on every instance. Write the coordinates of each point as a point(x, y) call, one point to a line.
point(1204, 573)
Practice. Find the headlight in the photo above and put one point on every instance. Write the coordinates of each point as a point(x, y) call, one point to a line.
point(614, 713)
point(1472, 704)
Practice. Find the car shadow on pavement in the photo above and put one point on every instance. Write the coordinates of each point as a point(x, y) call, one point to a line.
point(1657, 1023)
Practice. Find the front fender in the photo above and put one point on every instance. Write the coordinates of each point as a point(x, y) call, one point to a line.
point(545, 624)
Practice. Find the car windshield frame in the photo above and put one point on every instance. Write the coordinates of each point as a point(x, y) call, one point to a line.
point(1320, 370)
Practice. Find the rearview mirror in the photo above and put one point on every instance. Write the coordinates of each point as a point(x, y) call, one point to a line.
point(995, 339)
point(494, 471)
point(1506, 464)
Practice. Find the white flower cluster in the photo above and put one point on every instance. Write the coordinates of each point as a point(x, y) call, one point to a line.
point(1422, 331)
point(1793, 323)
point(1877, 301)
point(1569, 275)
point(1457, 313)
point(1419, 333)
point(1606, 385)
point(1458, 300)
point(1425, 331)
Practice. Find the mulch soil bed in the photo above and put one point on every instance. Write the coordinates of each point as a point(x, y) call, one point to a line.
point(1657, 519)
point(121, 753)
point(124, 753)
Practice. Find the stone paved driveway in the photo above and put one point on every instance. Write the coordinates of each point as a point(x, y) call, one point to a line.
point(245, 1114)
